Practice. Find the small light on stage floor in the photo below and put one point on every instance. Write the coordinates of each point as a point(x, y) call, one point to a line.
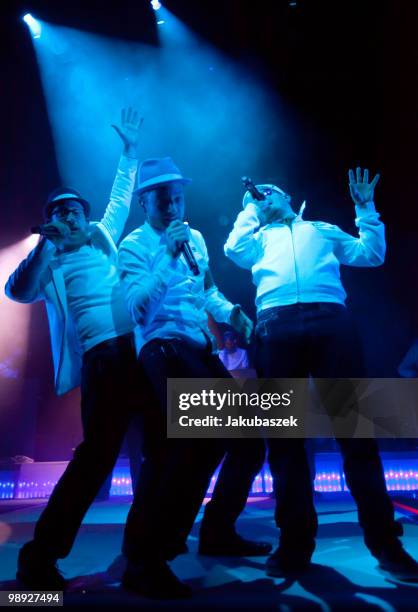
point(33, 24)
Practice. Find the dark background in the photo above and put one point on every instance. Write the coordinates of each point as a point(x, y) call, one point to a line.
point(346, 72)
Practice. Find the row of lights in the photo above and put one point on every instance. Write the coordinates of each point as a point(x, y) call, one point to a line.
point(325, 482)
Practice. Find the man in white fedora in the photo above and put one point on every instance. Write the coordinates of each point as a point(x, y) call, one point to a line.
point(169, 296)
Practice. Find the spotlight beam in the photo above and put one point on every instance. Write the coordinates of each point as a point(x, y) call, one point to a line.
point(33, 24)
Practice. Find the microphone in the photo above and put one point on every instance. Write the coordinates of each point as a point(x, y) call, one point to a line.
point(189, 256)
point(44, 230)
point(38, 229)
point(249, 186)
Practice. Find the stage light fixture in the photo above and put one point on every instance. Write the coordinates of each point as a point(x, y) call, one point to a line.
point(33, 24)
point(156, 5)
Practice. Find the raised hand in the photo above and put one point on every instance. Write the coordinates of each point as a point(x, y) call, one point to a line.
point(360, 189)
point(129, 130)
point(241, 323)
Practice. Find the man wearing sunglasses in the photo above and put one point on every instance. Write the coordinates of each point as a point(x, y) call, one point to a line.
point(304, 329)
point(74, 271)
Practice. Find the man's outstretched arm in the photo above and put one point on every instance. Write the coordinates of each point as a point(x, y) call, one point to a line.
point(369, 248)
point(117, 211)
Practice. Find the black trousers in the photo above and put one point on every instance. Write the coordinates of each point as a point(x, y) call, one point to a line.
point(243, 460)
point(164, 510)
point(112, 391)
point(132, 445)
point(321, 340)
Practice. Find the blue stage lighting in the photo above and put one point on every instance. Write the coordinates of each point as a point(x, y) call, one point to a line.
point(155, 5)
point(33, 24)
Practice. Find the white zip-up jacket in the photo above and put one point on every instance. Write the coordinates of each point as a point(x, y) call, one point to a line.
point(45, 280)
point(300, 261)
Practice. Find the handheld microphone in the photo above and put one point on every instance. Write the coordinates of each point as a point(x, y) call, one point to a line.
point(46, 231)
point(189, 256)
point(249, 186)
point(38, 229)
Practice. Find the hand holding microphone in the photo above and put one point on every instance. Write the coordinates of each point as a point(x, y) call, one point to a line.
point(177, 234)
point(55, 231)
point(249, 186)
point(258, 198)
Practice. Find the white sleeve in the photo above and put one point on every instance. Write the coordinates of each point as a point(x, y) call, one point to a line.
point(217, 305)
point(117, 211)
point(215, 302)
point(145, 281)
point(368, 249)
point(243, 245)
point(26, 283)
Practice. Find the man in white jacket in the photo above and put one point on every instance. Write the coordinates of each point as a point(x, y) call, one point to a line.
point(169, 303)
point(74, 271)
point(303, 328)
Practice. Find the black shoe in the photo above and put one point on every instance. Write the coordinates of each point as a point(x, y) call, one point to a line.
point(232, 546)
point(154, 579)
point(37, 572)
point(287, 562)
point(397, 563)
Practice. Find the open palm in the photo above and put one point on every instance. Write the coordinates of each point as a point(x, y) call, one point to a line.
point(360, 189)
point(129, 128)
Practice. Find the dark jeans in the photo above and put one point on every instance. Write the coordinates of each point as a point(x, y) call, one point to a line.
point(112, 388)
point(165, 509)
point(321, 340)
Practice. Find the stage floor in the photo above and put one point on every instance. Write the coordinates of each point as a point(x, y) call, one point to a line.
point(343, 574)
